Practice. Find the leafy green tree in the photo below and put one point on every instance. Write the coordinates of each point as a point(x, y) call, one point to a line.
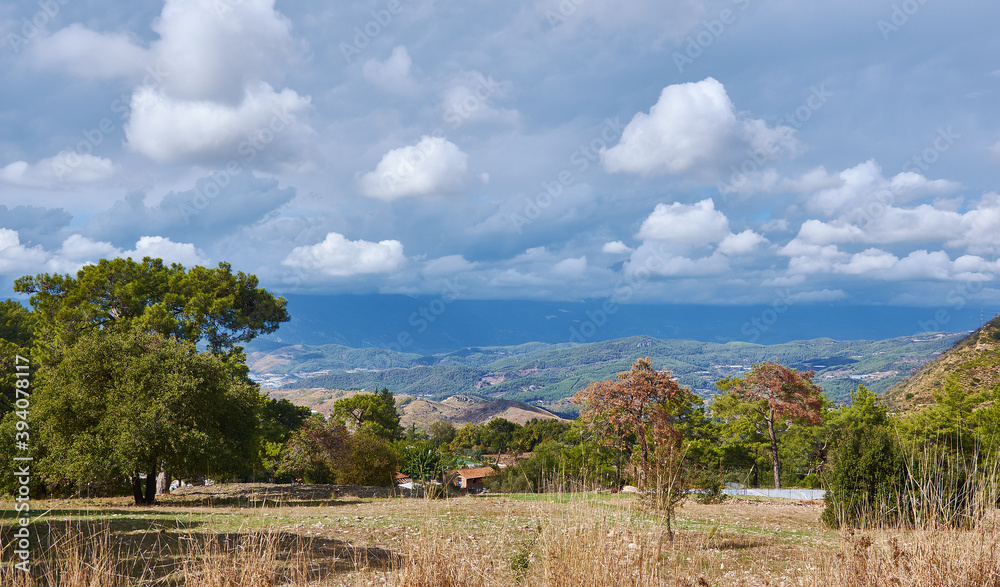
point(278, 420)
point(374, 413)
point(952, 422)
point(317, 450)
point(442, 432)
point(537, 431)
point(124, 402)
point(533, 475)
point(372, 461)
point(865, 410)
point(16, 331)
point(500, 435)
point(470, 436)
point(214, 305)
point(17, 325)
point(775, 394)
point(121, 300)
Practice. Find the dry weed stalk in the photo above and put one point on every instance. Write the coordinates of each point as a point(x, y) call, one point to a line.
point(922, 558)
point(96, 557)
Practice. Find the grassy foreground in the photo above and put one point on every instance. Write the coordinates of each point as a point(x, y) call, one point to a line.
point(243, 538)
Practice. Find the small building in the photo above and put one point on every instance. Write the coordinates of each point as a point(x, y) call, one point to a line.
point(472, 478)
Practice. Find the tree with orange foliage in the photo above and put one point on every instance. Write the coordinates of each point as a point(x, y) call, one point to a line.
point(643, 408)
point(772, 391)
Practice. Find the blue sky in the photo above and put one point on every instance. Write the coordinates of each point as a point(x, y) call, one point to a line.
point(719, 152)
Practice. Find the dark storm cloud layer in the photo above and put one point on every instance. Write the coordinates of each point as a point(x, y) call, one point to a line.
point(217, 206)
point(708, 151)
point(36, 225)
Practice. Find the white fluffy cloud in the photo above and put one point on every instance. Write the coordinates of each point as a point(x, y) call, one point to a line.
point(164, 248)
point(75, 48)
point(207, 84)
point(266, 124)
point(336, 256)
point(655, 259)
point(671, 232)
point(393, 74)
point(693, 224)
point(63, 169)
point(879, 264)
point(981, 227)
point(616, 248)
point(571, 268)
point(741, 244)
point(213, 50)
point(205, 50)
point(693, 126)
point(862, 190)
point(15, 258)
point(77, 250)
point(213, 99)
point(977, 230)
point(433, 166)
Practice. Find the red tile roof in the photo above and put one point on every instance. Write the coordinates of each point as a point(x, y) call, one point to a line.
point(478, 473)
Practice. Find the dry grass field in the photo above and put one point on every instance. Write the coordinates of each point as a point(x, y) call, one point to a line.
point(246, 538)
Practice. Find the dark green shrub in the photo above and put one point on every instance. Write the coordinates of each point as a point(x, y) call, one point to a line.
point(811, 481)
point(867, 483)
point(709, 485)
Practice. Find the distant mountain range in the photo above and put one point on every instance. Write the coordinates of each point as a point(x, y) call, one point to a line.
point(547, 375)
point(429, 325)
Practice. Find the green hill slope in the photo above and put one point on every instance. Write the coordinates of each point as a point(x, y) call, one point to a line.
point(974, 361)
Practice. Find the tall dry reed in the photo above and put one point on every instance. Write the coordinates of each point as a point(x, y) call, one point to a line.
point(97, 557)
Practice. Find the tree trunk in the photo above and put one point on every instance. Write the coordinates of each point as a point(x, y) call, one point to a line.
point(137, 489)
point(644, 466)
point(774, 451)
point(151, 486)
point(163, 481)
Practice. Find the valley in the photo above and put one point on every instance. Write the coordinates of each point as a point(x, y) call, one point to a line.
point(546, 375)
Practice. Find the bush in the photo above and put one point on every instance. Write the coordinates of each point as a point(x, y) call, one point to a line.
point(867, 483)
point(811, 481)
point(709, 485)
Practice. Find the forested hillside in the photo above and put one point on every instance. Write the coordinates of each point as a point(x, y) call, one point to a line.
point(974, 363)
point(547, 374)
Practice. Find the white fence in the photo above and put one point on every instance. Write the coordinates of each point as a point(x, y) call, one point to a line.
point(803, 494)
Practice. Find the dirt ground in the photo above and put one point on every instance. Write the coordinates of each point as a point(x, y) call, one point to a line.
point(352, 538)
